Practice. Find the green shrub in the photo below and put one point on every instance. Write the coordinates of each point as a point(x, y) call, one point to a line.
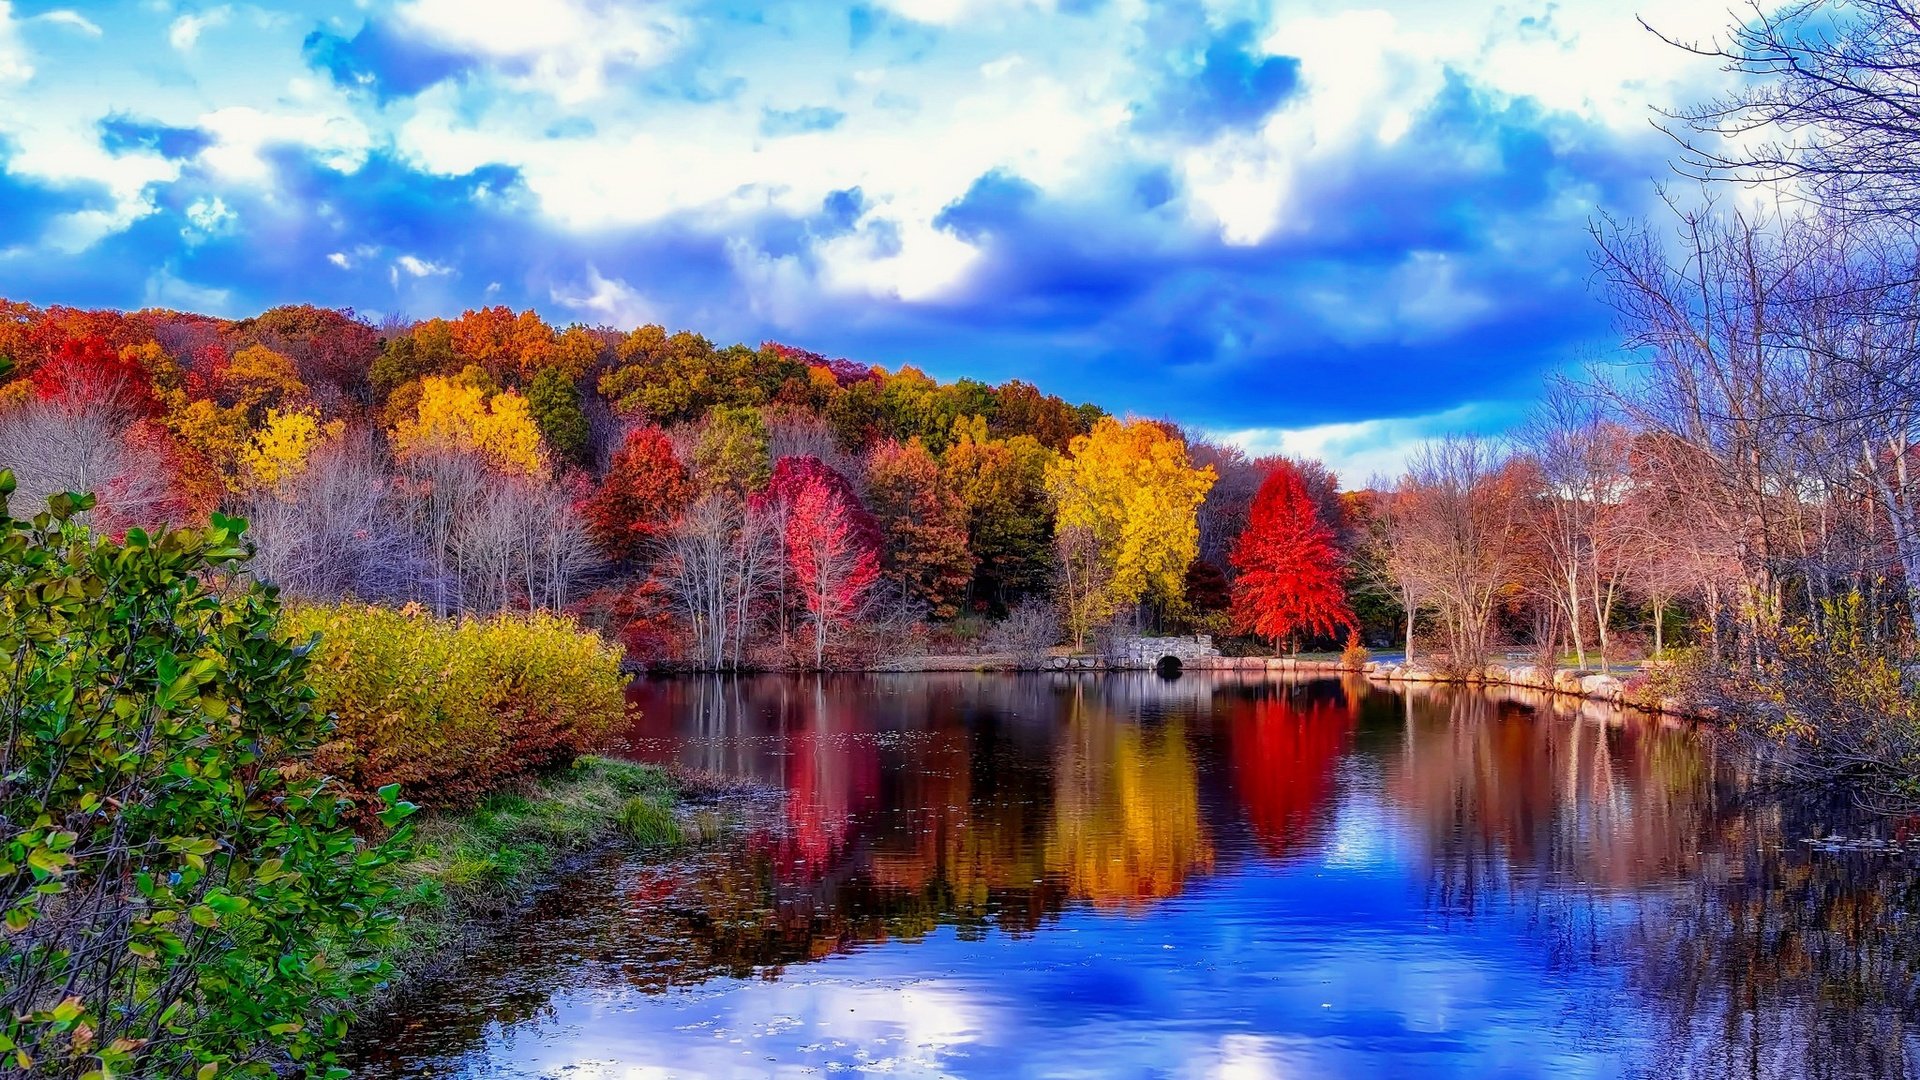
point(452, 710)
point(181, 895)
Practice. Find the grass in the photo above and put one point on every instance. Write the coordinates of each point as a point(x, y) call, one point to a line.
point(487, 860)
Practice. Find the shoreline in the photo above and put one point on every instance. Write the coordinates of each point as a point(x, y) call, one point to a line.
point(1582, 685)
point(471, 887)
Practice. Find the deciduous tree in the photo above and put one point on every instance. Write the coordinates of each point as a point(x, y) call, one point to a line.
point(1292, 578)
point(458, 415)
point(644, 492)
point(1132, 488)
point(831, 565)
point(924, 525)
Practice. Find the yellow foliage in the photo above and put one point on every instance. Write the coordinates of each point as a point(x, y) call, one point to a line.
point(453, 709)
point(15, 393)
point(454, 414)
point(217, 434)
point(279, 451)
point(1131, 487)
point(258, 378)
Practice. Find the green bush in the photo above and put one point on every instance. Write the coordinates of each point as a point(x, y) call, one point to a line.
point(452, 710)
point(181, 895)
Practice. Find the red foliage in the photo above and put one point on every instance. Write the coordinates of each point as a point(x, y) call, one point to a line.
point(845, 372)
point(639, 615)
point(1292, 575)
point(87, 373)
point(163, 483)
point(832, 565)
point(644, 493)
point(329, 346)
point(792, 474)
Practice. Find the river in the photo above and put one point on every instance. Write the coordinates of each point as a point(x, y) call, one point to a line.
point(1212, 875)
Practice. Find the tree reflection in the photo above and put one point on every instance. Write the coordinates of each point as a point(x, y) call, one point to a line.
point(1285, 754)
point(1619, 852)
point(1614, 838)
point(1126, 809)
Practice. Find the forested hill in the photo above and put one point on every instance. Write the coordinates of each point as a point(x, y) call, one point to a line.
point(202, 369)
point(725, 505)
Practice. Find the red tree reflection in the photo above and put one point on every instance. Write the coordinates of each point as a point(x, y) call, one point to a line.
point(1284, 756)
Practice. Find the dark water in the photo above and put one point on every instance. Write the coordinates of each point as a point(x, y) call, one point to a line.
point(1221, 877)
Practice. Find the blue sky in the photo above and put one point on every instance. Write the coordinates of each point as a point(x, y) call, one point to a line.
point(1319, 226)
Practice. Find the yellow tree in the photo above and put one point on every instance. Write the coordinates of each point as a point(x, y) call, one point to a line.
point(217, 434)
point(258, 379)
point(278, 453)
point(460, 415)
point(1129, 493)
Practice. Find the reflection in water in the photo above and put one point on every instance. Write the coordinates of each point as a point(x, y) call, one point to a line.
point(1126, 823)
point(992, 875)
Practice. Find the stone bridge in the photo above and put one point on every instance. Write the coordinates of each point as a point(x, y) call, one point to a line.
point(1147, 652)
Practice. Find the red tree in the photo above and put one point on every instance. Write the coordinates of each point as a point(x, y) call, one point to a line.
point(645, 490)
point(160, 483)
point(1292, 575)
point(832, 566)
point(86, 372)
point(792, 474)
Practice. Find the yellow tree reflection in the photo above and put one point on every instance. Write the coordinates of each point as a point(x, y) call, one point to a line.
point(1126, 824)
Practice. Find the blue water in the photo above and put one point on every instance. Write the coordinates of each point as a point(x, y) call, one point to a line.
point(1123, 876)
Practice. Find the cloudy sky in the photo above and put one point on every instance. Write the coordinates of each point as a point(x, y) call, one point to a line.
point(1319, 225)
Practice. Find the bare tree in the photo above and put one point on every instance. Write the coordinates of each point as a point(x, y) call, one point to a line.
point(1828, 102)
point(91, 447)
point(717, 568)
point(335, 532)
point(1457, 511)
point(1578, 517)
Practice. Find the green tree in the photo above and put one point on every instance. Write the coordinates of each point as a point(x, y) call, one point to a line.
point(731, 452)
point(1002, 485)
point(555, 402)
point(182, 894)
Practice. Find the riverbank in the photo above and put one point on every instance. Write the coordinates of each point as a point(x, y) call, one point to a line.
point(471, 869)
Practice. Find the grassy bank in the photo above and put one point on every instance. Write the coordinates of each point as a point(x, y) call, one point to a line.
point(468, 867)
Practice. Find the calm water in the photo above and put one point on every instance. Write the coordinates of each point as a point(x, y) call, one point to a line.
point(1127, 876)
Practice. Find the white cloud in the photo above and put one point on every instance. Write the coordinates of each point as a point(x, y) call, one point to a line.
point(70, 18)
point(418, 267)
point(608, 300)
point(566, 48)
point(1364, 450)
point(242, 133)
point(15, 67)
point(185, 30)
point(950, 12)
point(339, 259)
point(207, 216)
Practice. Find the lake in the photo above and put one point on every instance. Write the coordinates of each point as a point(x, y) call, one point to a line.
point(1211, 875)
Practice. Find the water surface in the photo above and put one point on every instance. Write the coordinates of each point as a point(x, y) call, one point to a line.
point(1218, 875)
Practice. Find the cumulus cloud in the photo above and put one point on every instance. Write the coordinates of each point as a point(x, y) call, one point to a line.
point(1277, 222)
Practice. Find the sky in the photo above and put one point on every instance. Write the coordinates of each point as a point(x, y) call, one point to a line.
point(1320, 227)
